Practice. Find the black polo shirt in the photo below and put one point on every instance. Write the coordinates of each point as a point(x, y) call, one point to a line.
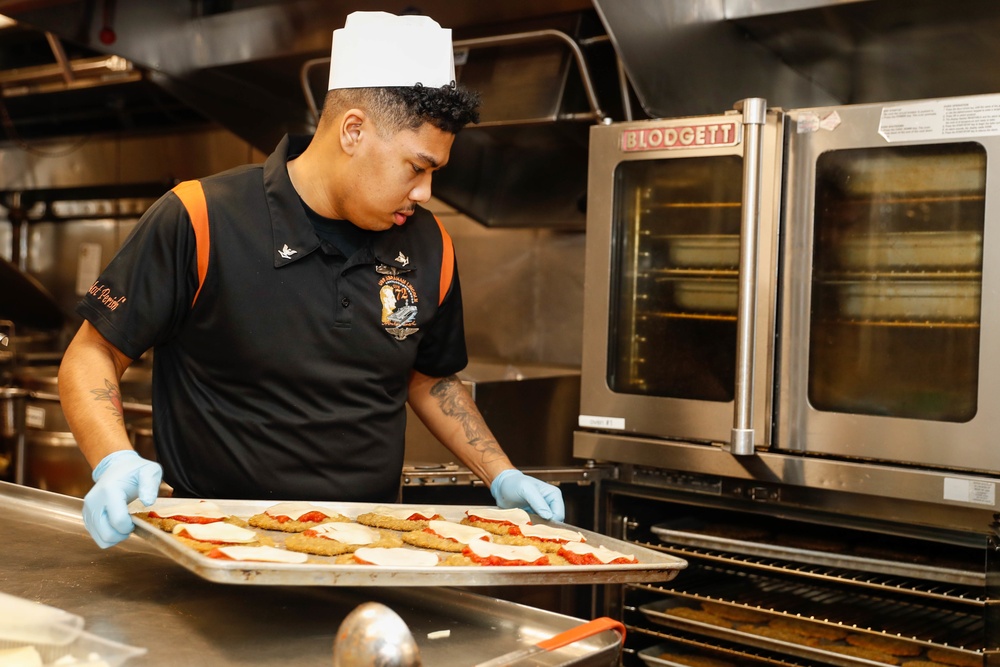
point(287, 377)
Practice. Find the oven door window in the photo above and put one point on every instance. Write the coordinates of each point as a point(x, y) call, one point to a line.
point(675, 272)
point(897, 281)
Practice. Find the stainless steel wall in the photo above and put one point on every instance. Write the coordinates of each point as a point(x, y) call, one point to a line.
point(523, 288)
point(65, 247)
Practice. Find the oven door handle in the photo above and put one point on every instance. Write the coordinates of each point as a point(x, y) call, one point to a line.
point(754, 111)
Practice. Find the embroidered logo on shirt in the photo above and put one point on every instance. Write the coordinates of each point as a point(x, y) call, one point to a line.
point(402, 259)
point(399, 306)
point(286, 252)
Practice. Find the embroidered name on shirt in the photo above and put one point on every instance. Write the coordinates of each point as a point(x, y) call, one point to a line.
point(103, 295)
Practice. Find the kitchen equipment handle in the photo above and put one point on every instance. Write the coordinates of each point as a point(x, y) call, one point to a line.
point(574, 634)
point(754, 116)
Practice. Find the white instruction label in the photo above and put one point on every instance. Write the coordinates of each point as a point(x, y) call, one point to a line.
point(34, 417)
point(951, 118)
point(976, 491)
point(591, 421)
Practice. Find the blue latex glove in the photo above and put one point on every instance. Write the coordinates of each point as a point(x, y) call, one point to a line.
point(513, 489)
point(119, 478)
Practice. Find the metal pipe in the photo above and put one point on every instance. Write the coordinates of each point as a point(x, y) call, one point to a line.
point(81, 66)
point(60, 55)
point(623, 87)
point(496, 40)
point(754, 115)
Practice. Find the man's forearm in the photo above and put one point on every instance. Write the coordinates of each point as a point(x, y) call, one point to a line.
point(90, 394)
point(447, 409)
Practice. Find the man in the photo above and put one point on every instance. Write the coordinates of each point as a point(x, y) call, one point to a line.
point(295, 306)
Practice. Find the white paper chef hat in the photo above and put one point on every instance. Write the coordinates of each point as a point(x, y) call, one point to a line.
point(378, 49)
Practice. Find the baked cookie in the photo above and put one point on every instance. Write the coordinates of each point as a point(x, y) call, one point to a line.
point(698, 615)
point(335, 538)
point(735, 613)
point(694, 660)
point(862, 652)
point(398, 518)
point(445, 536)
point(809, 628)
point(884, 644)
point(295, 517)
point(955, 658)
point(780, 634)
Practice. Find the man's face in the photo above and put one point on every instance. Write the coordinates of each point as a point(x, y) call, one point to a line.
point(392, 174)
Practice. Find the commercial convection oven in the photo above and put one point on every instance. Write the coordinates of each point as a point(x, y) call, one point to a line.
point(787, 357)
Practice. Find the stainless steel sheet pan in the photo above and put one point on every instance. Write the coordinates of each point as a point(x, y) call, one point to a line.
point(323, 571)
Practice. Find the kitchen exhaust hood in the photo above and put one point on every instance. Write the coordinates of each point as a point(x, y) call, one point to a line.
point(546, 70)
point(689, 58)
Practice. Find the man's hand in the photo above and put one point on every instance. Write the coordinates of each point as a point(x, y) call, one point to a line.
point(119, 478)
point(513, 489)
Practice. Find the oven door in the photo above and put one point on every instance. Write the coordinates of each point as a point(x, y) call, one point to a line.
point(888, 270)
point(663, 276)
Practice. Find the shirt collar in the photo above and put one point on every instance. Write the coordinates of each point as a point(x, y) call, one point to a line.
point(391, 247)
point(292, 233)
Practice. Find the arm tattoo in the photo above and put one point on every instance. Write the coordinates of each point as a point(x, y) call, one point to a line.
point(113, 395)
point(456, 403)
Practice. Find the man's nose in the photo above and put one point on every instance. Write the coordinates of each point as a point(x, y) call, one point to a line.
point(421, 192)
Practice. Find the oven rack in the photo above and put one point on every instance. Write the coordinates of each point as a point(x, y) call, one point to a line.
point(731, 652)
point(949, 586)
point(957, 628)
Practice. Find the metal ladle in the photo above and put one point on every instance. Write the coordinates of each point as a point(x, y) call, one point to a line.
point(373, 635)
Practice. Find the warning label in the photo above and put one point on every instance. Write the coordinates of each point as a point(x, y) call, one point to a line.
point(942, 119)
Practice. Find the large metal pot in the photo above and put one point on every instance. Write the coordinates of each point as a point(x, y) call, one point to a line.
point(52, 460)
point(11, 431)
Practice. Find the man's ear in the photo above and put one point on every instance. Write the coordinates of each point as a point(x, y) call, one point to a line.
point(352, 129)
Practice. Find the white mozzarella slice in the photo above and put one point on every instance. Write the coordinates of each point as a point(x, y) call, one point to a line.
point(602, 553)
point(200, 508)
point(518, 517)
point(264, 554)
point(347, 533)
point(396, 557)
point(456, 531)
point(505, 551)
point(295, 511)
point(550, 533)
point(404, 513)
point(216, 532)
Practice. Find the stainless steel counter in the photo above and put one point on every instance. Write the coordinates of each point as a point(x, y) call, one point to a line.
point(132, 594)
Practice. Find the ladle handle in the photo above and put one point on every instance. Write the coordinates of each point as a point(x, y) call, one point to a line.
point(582, 631)
point(588, 629)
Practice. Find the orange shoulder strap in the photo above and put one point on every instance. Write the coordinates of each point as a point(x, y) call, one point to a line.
point(192, 195)
point(447, 262)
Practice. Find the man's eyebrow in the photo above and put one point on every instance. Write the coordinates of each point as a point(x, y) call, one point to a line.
point(428, 159)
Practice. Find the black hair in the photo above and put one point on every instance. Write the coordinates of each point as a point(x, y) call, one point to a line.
point(449, 108)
